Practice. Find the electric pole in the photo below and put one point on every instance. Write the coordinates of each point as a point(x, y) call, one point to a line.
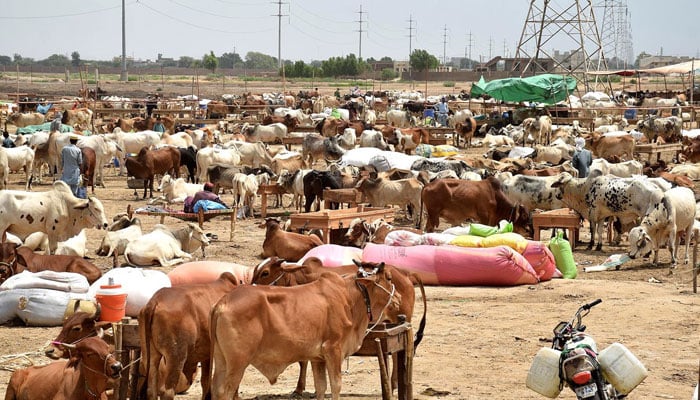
point(124, 75)
point(279, 16)
point(470, 43)
point(360, 30)
point(444, 44)
point(410, 44)
point(490, 48)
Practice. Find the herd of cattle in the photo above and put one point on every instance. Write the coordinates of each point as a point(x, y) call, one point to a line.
point(194, 324)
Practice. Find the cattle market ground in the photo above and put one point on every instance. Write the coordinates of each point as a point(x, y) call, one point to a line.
point(479, 341)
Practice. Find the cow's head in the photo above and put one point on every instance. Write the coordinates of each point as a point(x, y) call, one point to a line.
point(641, 244)
point(379, 292)
point(77, 327)
point(93, 211)
point(8, 260)
point(95, 354)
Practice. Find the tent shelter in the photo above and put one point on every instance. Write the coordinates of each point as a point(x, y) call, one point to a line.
point(545, 88)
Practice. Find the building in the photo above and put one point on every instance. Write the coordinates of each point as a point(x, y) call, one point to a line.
point(660, 61)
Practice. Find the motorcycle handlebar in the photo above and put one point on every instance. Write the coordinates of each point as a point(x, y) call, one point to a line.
point(591, 304)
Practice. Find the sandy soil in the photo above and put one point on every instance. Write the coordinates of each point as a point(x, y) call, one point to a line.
point(479, 341)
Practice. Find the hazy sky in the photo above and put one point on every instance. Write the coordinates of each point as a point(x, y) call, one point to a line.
point(311, 29)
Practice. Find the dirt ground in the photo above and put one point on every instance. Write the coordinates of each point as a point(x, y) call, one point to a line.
point(479, 341)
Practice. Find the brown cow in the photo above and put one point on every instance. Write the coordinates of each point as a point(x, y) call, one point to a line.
point(87, 375)
point(148, 163)
point(465, 131)
point(8, 259)
point(33, 262)
point(330, 127)
point(174, 328)
point(607, 146)
point(411, 138)
point(290, 246)
point(262, 326)
point(691, 152)
point(288, 121)
point(275, 271)
point(87, 169)
point(80, 117)
point(79, 326)
point(480, 201)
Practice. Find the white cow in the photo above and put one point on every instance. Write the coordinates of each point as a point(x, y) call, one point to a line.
point(675, 213)
point(4, 168)
point(133, 142)
point(180, 139)
point(56, 212)
point(253, 154)
point(460, 116)
point(209, 156)
point(372, 138)
point(165, 247)
point(37, 241)
point(497, 140)
point(293, 182)
point(75, 246)
point(622, 169)
point(176, 190)
point(399, 118)
point(272, 133)
point(21, 158)
point(692, 171)
point(116, 241)
point(245, 188)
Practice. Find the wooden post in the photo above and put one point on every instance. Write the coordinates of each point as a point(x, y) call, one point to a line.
point(234, 215)
point(117, 328)
point(383, 374)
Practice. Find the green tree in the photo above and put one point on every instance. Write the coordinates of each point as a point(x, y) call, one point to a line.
point(18, 59)
point(421, 60)
point(75, 59)
point(5, 60)
point(210, 62)
point(386, 59)
point(185, 62)
point(256, 60)
point(388, 74)
point(56, 60)
point(230, 60)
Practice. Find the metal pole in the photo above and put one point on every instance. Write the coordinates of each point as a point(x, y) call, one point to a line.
point(124, 75)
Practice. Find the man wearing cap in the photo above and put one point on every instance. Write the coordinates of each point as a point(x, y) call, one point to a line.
point(72, 159)
point(582, 158)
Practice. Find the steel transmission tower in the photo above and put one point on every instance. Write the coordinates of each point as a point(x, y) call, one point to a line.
point(615, 32)
point(570, 27)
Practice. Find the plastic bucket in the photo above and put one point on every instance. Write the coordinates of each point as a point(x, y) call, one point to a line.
point(112, 301)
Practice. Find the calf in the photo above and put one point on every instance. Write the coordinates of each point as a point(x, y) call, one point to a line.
point(288, 246)
point(87, 375)
point(314, 184)
point(465, 131)
point(675, 213)
point(175, 335)
point(402, 192)
point(87, 169)
point(32, 262)
point(479, 201)
point(188, 159)
point(149, 163)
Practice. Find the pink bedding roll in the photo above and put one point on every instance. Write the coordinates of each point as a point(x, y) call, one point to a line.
point(541, 259)
point(457, 266)
point(333, 255)
point(208, 271)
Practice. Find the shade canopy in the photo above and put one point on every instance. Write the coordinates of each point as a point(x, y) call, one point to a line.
point(545, 88)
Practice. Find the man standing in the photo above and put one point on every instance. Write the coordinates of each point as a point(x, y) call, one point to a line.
point(582, 159)
point(72, 158)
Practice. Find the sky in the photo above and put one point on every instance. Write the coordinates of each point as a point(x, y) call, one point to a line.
point(313, 29)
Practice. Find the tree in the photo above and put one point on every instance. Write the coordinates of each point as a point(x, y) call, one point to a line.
point(210, 62)
point(256, 60)
point(386, 59)
point(388, 74)
point(230, 60)
point(75, 59)
point(5, 60)
point(185, 62)
point(56, 60)
point(421, 60)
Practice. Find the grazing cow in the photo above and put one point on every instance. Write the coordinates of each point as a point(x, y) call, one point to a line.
point(608, 146)
point(87, 375)
point(149, 163)
point(87, 168)
point(290, 246)
point(263, 322)
point(75, 246)
point(480, 201)
point(402, 192)
point(668, 129)
point(175, 335)
point(80, 118)
point(176, 190)
point(215, 156)
point(188, 159)
point(165, 247)
point(114, 242)
point(315, 147)
point(273, 133)
point(275, 271)
point(465, 131)
point(600, 196)
point(624, 169)
point(252, 154)
point(27, 260)
point(663, 223)
point(314, 184)
point(56, 213)
point(21, 158)
point(400, 119)
point(21, 120)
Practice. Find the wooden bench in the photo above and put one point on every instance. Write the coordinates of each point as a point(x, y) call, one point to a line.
point(658, 149)
point(264, 191)
point(328, 220)
point(200, 216)
point(564, 218)
point(352, 197)
point(380, 342)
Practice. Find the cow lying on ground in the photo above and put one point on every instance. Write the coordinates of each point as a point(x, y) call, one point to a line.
point(275, 271)
point(32, 262)
point(87, 375)
point(264, 323)
point(166, 247)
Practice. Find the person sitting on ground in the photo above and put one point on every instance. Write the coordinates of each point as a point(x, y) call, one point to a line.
point(7, 142)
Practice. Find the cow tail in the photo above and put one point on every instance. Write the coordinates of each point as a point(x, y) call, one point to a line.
point(418, 337)
point(212, 343)
point(146, 326)
point(420, 212)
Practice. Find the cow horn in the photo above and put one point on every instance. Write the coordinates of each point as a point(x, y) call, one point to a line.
point(66, 345)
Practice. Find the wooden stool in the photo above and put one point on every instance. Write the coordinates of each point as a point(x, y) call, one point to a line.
point(564, 218)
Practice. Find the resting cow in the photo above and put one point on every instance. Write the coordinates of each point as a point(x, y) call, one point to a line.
point(165, 247)
point(260, 326)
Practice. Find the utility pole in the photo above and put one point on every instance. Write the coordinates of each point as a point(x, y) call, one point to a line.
point(410, 44)
point(279, 16)
point(124, 75)
point(490, 48)
point(360, 30)
point(470, 43)
point(505, 48)
point(444, 44)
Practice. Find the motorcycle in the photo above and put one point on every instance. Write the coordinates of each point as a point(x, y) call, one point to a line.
point(574, 361)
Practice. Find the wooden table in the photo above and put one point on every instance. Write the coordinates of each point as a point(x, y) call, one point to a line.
point(351, 196)
point(264, 191)
point(338, 219)
point(382, 341)
point(658, 149)
point(564, 218)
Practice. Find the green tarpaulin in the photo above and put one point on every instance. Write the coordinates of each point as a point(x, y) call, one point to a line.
point(545, 88)
point(28, 130)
